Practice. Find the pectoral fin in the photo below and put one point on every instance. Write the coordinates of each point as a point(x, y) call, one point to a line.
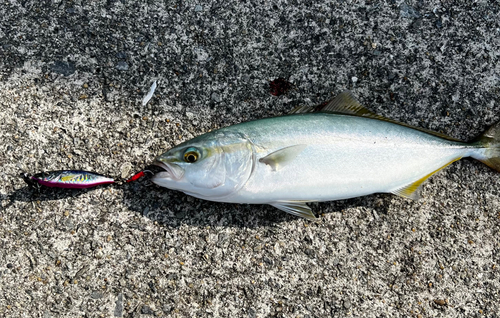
point(280, 158)
point(298, 208)
point(412, 190)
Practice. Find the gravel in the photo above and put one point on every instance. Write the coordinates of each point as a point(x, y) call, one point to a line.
point(72, 78)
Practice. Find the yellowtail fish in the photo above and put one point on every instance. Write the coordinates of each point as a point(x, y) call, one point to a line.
point(338, 151)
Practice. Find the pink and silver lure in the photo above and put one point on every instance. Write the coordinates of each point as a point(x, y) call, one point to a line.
point(73, 179)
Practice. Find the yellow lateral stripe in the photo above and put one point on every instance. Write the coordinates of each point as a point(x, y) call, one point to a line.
point(408, 190)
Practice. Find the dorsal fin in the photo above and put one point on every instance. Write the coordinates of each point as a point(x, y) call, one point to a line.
point(302, 109)
point(346, 104)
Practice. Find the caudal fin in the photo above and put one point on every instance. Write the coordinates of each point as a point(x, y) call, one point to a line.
point(490, 142)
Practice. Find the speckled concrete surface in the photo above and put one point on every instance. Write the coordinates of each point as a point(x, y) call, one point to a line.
point(72, 77)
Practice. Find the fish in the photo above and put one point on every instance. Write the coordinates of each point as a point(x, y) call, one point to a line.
point(337, 150)
point(73, 179)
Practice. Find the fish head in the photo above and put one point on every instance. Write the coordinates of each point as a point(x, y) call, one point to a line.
point(211, 166)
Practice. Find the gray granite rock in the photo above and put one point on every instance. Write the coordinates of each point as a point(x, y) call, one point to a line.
point(64, 68)
point(122, 66)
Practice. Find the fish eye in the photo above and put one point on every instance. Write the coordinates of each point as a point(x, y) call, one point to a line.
point(191, 155)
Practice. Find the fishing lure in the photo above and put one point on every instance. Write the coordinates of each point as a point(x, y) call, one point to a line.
point(73, 179)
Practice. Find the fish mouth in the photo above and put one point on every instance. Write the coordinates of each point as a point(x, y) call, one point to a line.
point(161, 164)
point(171, 171)
point(165, 173)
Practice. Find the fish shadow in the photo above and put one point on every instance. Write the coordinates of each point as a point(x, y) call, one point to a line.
point(173, 209)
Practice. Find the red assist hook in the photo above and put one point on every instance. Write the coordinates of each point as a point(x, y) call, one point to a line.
point(136, 176)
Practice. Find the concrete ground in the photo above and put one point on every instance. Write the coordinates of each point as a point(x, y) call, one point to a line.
point(72, 78)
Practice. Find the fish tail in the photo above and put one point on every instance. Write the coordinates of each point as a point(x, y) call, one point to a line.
point(488, 145)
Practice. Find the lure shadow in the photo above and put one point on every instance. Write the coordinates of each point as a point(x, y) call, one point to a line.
point(30, 194)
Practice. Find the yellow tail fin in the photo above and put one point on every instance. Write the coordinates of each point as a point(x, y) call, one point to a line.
point(490, 141)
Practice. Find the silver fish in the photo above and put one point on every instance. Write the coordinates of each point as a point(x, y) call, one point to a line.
point(338, 151)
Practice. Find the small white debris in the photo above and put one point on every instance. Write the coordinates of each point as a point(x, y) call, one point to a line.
point(354, 79)
point(201, 54)
point(125, 169)
point(149, 95)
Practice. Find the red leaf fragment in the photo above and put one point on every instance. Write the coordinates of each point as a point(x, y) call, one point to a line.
point(279, 86)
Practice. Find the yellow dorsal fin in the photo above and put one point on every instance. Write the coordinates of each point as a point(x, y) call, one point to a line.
point(345, 103)
point(412, 191)
point(302, 110)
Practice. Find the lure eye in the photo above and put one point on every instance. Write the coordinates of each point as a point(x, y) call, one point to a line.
point(191, 155)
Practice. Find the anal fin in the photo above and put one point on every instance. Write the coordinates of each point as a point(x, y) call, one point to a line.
point(412, 190)
point(298, 208)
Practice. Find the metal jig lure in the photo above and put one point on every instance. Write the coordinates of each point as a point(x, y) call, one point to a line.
point(72, 179)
